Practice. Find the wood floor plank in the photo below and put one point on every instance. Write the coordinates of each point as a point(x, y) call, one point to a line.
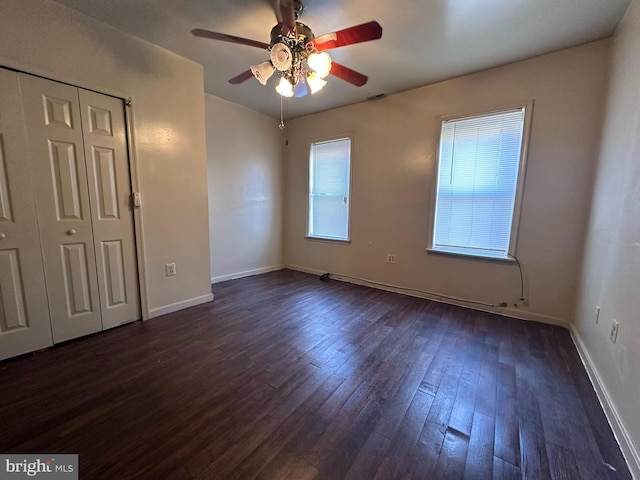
point(284, 376)
point(464, 403)
point(397, 406)
point(369, 458)
point(427, 451)
point(507, 436)
point(479, 462)
point(504, 470)
point(563, 463)
point(453, 456)
point(534, 462)
point(287, 466)
point(395, 463)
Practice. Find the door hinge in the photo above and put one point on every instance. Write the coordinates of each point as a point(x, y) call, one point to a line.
point(137, 199)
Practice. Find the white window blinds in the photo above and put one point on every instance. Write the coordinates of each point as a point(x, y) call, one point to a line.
point(478, 167)
point(329, 178)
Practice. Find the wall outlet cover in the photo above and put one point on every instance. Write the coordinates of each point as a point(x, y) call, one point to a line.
point(170, 269)
point(613, 333)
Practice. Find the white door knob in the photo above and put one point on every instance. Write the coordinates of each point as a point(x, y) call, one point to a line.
point(71, 232)
point(2, 236)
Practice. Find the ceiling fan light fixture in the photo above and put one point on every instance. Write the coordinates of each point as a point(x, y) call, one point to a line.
point(320, 63)
point(299, 56)
point(285, 88)
point(315, 82)
point(263, 72)
point(281, 57)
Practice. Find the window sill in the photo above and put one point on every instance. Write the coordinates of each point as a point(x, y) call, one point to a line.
point(328, 240)
point(480, 255)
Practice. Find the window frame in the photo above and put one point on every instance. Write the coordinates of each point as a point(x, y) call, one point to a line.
point(310, 145)
point(519, 193)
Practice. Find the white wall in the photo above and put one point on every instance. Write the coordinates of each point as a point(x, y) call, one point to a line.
point(611, 272)
point(45, 38)
point(244, 164)
point(392, 177)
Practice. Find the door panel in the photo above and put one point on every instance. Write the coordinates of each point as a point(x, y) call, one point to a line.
point(104, 168)
point(54, 130)
point(24, 315)
point(12, 301)
point(66, 184)
point(57, 112)
point(105, 146)
point(114, 273)
point(5, 200)
point(76, 279)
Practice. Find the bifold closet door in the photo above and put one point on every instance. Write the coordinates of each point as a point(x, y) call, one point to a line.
point(24, 313)
point(67, 247)
point(56, 152)
point(105, 146)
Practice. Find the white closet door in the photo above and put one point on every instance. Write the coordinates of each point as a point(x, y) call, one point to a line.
point(56, 152)
point(24, 314)
point(105, 147)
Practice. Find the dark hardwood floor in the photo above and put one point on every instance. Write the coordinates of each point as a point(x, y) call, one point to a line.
point(287, 377)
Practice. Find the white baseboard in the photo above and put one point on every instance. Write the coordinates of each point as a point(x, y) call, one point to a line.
point(506, 312)
point(531, 316)
point(629, 451)
point(299, 268)
point(246, 273)
point(174, 307)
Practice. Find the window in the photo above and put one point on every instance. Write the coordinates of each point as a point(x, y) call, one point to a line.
point(329, 177)
point(480, 169)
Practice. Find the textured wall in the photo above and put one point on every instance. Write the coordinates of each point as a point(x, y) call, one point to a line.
point(611, 272)
point(244, 158)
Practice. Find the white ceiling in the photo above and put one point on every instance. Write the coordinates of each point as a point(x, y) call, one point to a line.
point(423, 41)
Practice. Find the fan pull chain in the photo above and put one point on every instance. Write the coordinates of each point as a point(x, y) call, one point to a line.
point(282, 125)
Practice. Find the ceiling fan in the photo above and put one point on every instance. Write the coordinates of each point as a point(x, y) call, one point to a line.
point(297, 55)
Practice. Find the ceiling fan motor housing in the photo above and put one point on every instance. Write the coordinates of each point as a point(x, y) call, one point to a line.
point(303, 33)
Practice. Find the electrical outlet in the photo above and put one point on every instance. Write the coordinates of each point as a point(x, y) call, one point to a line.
point(391, 257)
point(613, 333)
point(170, 269)
point(597, 314)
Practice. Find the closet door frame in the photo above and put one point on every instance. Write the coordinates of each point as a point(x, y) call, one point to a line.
point(134, 170)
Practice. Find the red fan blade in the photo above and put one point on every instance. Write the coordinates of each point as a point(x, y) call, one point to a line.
point(198, 32)
point(241, 78)
point(348, 75)
point(360, 33)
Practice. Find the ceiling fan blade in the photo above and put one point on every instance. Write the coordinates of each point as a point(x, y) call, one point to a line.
point(241, 78)
point(357, 34)
point(348, 75)
point(198, 32)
